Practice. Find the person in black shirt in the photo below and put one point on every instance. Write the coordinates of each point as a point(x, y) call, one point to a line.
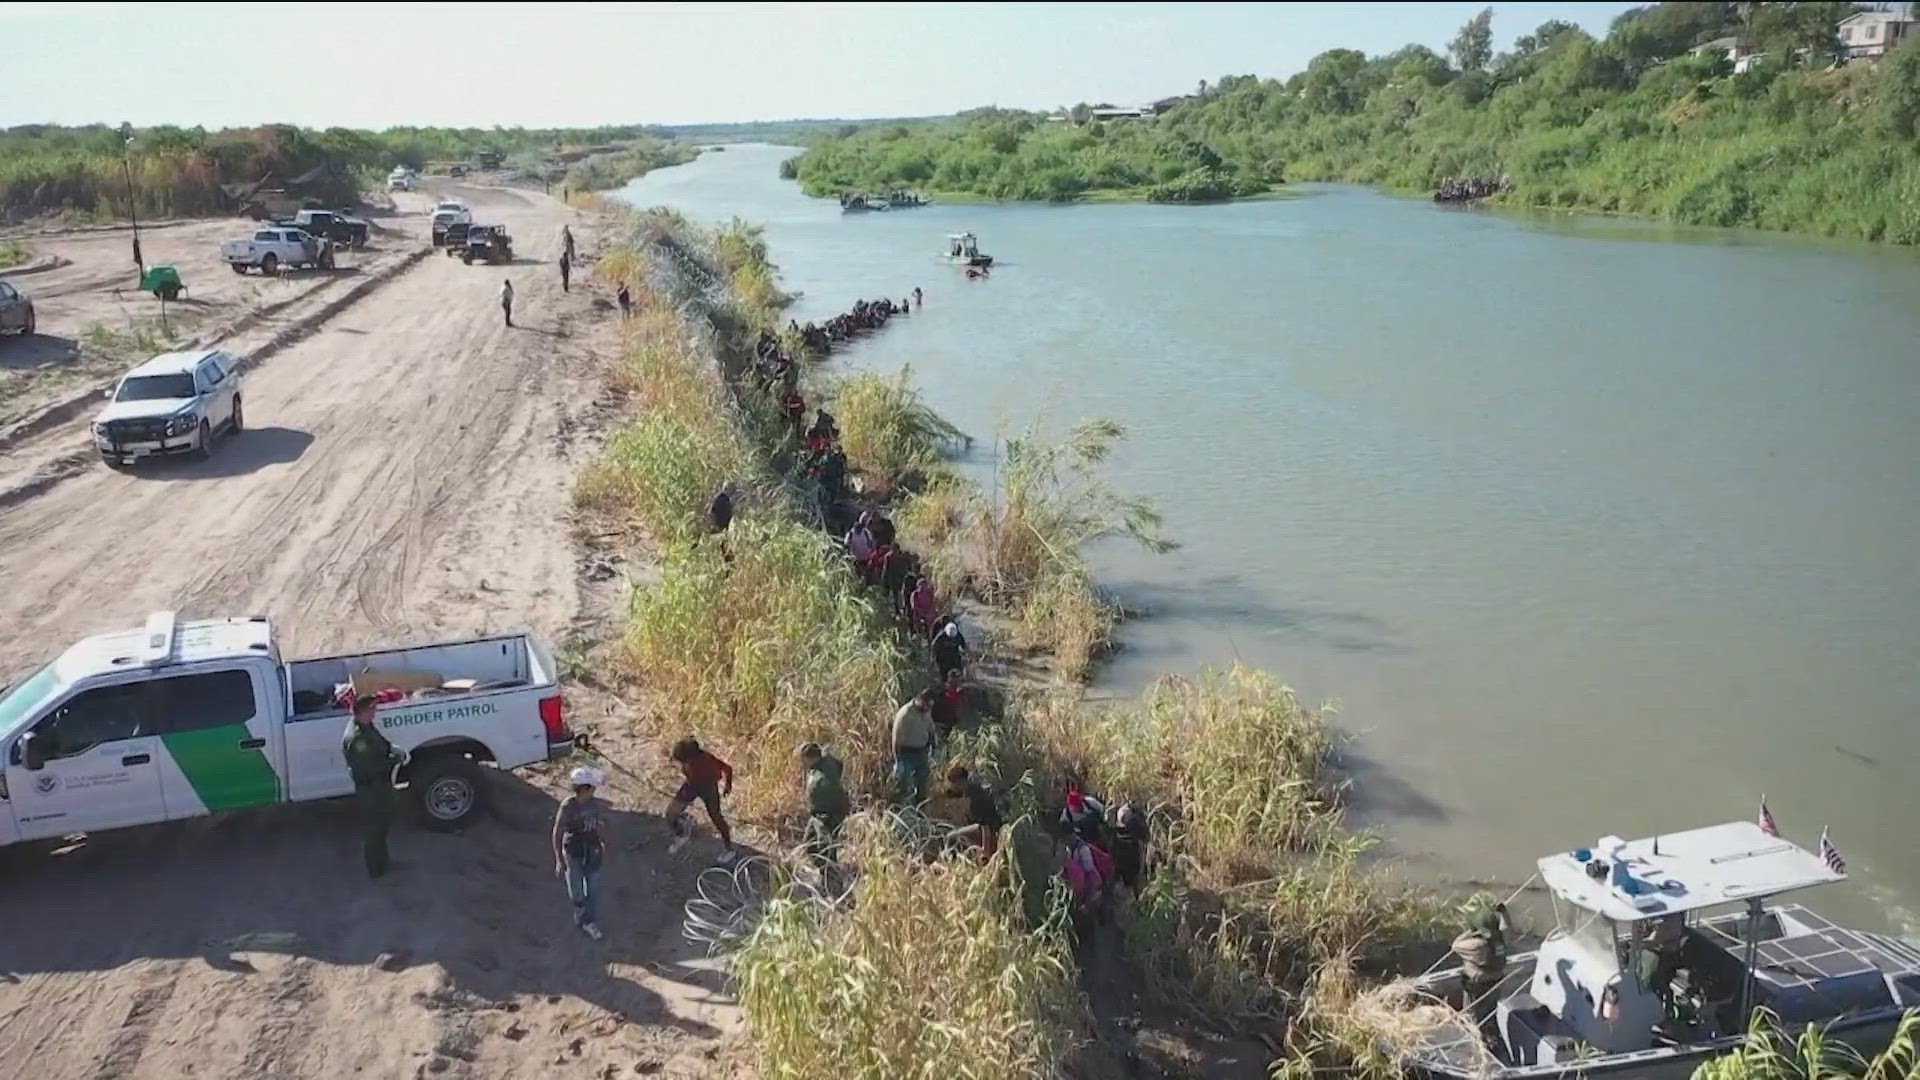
point(949, 648)
point(984, 820)
point(1130, 846)
point(720, 519)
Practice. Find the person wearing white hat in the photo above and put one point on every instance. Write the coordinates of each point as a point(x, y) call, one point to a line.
point(579, 847)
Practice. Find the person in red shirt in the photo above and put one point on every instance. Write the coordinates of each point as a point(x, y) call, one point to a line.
point(950, 706)
point(706, 778)
point(922, 607)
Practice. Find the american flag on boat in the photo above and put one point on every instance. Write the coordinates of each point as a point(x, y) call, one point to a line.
point(1831, 855)
point(1766, 822)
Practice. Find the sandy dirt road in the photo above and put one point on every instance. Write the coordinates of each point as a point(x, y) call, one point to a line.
point(94, 285)
point(405, 475)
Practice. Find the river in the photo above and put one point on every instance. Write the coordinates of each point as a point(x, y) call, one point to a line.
point(1590, 527)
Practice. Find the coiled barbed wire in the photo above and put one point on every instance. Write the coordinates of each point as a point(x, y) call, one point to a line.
point(728, 901)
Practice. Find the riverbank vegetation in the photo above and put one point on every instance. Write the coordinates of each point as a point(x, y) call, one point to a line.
point(600, 172)
point(1630, 122)
point(942, 962)
point(1770, 1054)
point(177, 171)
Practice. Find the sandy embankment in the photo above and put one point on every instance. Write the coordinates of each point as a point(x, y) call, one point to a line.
point(406, 476)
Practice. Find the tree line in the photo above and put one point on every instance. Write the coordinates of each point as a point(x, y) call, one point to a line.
point(181, 170)
point(1631, 122)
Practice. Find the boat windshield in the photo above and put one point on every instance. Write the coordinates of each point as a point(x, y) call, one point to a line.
point(1596, 938)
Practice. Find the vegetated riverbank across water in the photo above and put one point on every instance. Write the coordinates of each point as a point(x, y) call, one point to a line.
point(1586, 536)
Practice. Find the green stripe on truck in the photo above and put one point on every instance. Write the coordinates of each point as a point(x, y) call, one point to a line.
point(223, 775)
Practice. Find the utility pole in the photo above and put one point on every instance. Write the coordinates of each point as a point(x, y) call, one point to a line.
point(133, 206)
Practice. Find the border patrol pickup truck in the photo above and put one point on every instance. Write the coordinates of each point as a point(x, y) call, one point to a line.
point(180, 719)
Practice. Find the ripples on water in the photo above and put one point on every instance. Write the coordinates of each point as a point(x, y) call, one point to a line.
point(1586, 536)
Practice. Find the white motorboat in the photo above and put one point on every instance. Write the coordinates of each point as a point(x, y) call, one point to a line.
point(1642, 979)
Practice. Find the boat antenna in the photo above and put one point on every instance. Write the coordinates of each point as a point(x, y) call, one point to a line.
point(1656, 843)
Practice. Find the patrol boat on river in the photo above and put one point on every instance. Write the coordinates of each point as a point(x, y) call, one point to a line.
point(963, 249)
point(1640, 980)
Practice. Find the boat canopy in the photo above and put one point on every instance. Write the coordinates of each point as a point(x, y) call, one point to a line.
point(1679, 872)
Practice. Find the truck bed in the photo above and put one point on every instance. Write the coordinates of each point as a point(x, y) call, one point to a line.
point(509, 662)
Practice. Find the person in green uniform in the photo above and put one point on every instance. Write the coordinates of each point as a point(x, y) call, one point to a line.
point(827, 803)
point(371, 760)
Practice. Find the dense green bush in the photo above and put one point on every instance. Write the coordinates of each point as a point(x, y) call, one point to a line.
point(1626, 124)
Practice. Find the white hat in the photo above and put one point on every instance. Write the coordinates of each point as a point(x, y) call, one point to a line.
point(584, 776)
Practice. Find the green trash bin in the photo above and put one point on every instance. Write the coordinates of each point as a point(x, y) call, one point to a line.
point(163, 282)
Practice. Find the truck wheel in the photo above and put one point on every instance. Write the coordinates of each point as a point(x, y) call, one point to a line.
point(270, 265)
point(467, 258)
point(449, 792)
point(238, 268)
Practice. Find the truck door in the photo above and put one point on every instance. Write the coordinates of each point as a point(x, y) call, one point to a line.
point(316, 765)
point(206, 380)
point(220, 740)
point(99, 768)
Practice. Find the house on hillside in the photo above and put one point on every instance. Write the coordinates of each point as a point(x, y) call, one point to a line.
point(1740, 53)
point(1121, 114)
point(1870, 35)
point(1166, 103)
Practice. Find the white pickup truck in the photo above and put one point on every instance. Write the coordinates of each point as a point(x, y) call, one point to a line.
point(180, 719)
point(276, 246)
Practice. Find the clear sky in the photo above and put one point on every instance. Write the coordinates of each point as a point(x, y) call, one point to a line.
point(561, 64)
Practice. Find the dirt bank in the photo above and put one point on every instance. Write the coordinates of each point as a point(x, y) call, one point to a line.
point(406, 475)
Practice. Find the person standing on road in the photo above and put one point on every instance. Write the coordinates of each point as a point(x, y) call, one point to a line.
point(371, 759)
point(566, 271)
point(913, 745)
point(566, 243)
point(580, 847)
point(706, 778)
point(506, 299)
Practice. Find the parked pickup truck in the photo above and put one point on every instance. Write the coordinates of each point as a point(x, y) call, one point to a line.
point(276, 246)
point(447, 214)
point(348, 231)
point(178, 719)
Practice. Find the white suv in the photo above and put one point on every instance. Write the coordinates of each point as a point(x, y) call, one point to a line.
point(174, 403)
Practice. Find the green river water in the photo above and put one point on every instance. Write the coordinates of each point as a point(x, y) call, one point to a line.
point(1590, 527)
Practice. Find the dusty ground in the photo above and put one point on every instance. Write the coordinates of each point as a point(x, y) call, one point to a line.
point(405, 476)
point(93, 320)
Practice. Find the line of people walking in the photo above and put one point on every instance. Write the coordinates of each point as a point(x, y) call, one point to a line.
point(866, 315)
